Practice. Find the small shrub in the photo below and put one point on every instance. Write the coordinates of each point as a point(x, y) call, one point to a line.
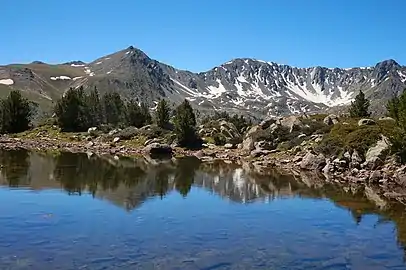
point(151, 132)
point(219, 139)
point(330, 146)
point(399, 146)
point(127, 133)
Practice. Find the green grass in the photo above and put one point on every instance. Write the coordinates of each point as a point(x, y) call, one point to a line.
point(347, 137)
point(50, 132)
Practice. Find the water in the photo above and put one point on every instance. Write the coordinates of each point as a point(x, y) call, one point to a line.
point(69, 211)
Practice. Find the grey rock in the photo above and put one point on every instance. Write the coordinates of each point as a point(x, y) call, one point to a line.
point(376, 155)
point(264, 145)
point(158, 149)
point(328, 168)
point(292, 122)
point(116, 139)
point(90, 144)
point(267, 123)
point(400, 176)
point(228, 146)
point(312, 161)
point(113, 132)
point(331, 119)
point(301, 136)
point(366, 122)
point(387, 119)
point(91, 129)
point(253, 131)
point(259, 153)
point(347, 156)
point(248, 144)
point(374, 177)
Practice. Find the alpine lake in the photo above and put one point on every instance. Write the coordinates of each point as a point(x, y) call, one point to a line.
point(73, 211)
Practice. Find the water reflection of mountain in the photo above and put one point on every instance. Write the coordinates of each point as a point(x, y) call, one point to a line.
point(128, 183)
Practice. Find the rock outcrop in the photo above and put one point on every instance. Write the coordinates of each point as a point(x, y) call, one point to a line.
point(376, 155)
point(366, 122)
point(312, 161)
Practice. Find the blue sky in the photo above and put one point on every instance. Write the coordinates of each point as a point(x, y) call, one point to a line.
point(198, 35)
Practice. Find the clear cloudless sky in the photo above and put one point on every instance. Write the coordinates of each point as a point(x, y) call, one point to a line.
point(198, 35)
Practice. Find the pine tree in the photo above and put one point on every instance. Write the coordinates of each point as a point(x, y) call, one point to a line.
point(163, 114)
point(113, 109)
point(359, 107)
point(146, 115)
point(15, 113)
point(397, 109)
point(72, 111)
point(185, 124)
point(95, 108)
point(134, 115)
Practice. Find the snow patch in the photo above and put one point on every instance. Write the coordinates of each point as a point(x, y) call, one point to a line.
point(7, 81)
point(217, 91)
point(241, 79)
point(89, 72)
point(315, 94)
point(98, 63)
point(402, 76)
point(77, 78)
point(77, 65)
point(186, 89)
point(61, 78)
point(45, 96)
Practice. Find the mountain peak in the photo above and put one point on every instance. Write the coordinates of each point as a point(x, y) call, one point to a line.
point(38, 63)
point(389, 63)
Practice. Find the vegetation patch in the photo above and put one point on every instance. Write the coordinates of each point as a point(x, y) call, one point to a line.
point(348, 136)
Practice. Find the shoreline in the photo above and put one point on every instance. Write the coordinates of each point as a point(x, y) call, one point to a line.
point(380, 185)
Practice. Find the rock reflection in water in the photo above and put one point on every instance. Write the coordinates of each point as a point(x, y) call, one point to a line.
point(128, 183)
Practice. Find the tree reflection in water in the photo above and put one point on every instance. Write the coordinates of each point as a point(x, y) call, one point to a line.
point(129, 182)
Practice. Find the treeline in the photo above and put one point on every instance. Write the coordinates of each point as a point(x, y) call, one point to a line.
point(78, 111)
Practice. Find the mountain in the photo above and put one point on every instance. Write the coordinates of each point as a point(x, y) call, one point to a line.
point(242, 85)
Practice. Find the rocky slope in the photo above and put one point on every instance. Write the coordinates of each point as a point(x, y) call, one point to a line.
point(242, 85)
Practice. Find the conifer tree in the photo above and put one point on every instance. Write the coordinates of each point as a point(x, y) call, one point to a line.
point(163, 114)
point(134, 115)
point(359, 107)
point(397, 109)
point(146, 115)
point(15, 113)
point(95, 108)
point(185, 124)
point(113, 109)
point(72, 112)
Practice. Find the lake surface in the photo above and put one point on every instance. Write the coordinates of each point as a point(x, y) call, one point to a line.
point(71, 211)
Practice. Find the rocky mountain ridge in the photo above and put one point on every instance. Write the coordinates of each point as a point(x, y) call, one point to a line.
point(242, 85)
